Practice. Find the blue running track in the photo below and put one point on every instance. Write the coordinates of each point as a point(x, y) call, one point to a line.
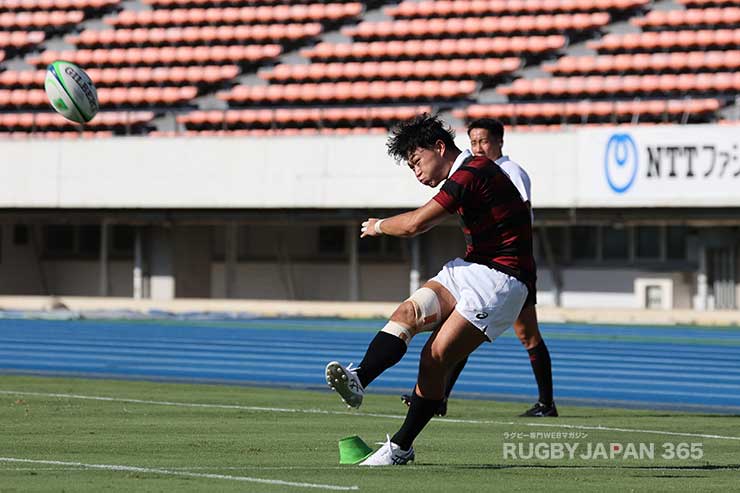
point(648, 367)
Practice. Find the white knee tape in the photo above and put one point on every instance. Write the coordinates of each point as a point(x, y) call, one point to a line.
point(398, 330)
point(428, 311)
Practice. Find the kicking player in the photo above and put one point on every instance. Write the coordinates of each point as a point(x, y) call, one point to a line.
point(471, 300)
point(487, 139)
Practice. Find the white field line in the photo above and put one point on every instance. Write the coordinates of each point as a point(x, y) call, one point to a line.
point(374, 415)
point(169, 472)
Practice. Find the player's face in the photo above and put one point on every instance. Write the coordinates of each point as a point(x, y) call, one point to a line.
point(428, 164)
point(483, 144)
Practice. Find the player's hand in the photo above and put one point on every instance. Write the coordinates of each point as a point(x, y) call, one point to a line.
point(368, 228)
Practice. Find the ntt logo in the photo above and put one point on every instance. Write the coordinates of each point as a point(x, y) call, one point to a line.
point(621, 162)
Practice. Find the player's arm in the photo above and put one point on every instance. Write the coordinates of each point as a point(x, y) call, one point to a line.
point(408, 224)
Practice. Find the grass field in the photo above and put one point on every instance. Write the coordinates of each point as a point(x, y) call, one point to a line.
point(174, 437)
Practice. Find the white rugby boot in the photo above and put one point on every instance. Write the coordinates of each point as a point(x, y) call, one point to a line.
point(389, 454)
point(344, 381)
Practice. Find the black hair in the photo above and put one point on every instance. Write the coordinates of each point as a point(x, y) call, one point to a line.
point(495, 128)
point(420, 131)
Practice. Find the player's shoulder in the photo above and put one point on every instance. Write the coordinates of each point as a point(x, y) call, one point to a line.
point(511, 167)
point(477, 163)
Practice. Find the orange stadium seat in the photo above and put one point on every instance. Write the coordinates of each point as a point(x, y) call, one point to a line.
point(385, 70)
point(243, 15)
point(41, 19)
point(47, 5)
point(157, 55)
point(20, 39)
point(448, 8)
point(348, 91)
point(648, 41)
point(645, 84)
point(645, 62)
point(422, 28)
point(710, 17)
point(433, 48)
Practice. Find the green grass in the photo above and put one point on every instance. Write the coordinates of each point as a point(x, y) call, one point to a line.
point(301, 447)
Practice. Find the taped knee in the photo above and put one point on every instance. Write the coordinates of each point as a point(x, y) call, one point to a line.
point(427, 309)
point(398, 330)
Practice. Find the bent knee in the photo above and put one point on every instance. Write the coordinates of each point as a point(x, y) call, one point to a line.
point(405, 314)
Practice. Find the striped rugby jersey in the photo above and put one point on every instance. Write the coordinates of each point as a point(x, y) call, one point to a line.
point(494, 218)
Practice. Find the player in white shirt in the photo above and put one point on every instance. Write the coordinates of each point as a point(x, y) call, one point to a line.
point(487, 139)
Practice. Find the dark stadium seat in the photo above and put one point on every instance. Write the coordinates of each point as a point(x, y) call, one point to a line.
point(708, 3)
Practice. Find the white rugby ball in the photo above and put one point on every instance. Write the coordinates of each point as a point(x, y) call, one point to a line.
point(71, 92)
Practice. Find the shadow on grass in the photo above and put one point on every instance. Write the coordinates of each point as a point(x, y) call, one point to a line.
point(705, 467)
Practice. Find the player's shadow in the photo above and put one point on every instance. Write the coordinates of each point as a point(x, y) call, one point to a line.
point(674, 415)
point(652, 415)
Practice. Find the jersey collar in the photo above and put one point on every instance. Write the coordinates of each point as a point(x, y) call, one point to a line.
point(502, 159)
point(461, 158)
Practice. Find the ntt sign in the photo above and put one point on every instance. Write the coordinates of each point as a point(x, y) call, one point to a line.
point(621, 162)
point(654, 166)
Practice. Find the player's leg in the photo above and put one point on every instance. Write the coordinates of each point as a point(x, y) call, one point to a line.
point(423, 311)
point(488, 302)
point(528, 332)
point(451, 343)
point(451, 379)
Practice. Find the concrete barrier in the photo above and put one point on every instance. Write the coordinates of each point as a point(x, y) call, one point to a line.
point(271, 308)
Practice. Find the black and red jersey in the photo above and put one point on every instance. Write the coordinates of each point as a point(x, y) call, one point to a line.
point(495, 219)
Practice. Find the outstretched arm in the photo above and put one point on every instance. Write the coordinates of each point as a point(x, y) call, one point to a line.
point(408, 224)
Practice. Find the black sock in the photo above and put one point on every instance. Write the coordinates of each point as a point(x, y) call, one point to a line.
point(453, 376)
point(539, 357)
point(420, 412)
point(384, 351)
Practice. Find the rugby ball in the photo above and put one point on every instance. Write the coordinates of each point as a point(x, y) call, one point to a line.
point(71, 92)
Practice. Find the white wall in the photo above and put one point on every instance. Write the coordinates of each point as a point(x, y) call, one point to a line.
point(568, 169)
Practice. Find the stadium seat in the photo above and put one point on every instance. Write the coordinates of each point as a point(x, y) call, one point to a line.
point(585, 111)
point(264, 14)
point(385, 70)
point(429, 48)
point(194, 35)
point(474, 26)
point(706, 17)
point(454, 8)
point(645, 62)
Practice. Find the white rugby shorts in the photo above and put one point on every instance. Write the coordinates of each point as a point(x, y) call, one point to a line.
point(487, 298)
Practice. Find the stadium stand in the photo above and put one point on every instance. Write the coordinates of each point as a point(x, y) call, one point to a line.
point(307, 66)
